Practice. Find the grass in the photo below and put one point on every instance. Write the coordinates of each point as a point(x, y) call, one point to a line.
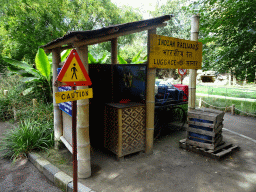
point(29, 135)
point(228, 92)
point(35, 123)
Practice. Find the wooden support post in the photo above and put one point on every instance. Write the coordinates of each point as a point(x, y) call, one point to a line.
point(83, 139)
point(192, 72)
point(58, 126)
point(114, 51)
point(113, 62)
point(150, 101)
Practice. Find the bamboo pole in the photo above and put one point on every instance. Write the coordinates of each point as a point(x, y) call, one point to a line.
point(83, 139)
point(58, 125)
point(192, 72)
point(150, 101)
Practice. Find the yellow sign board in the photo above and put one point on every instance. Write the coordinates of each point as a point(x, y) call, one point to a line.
point(169, 52)
point(73, 95)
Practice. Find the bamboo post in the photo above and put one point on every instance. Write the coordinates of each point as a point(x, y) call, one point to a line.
point(192, 72)
point(150, 101)
point(58, 126)
point(83, 139)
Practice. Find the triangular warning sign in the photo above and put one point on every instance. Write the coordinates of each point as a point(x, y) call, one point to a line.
point(73, 72)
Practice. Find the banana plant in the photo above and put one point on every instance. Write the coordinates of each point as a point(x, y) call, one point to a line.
point(37, 80)
point(135, 59)
point(93, 60)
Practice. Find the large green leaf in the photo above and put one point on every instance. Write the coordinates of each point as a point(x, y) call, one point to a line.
point(104, 58)
point(20, 65)
point(121, 60)
point(91, 59)
point(64, 54)
point(42, 64)
point(136, 58)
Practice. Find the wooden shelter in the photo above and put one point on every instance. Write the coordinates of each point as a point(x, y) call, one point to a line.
point(80, 40)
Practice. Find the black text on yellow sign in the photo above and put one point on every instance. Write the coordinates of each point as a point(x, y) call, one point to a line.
point(73, 95)
point(169, 52)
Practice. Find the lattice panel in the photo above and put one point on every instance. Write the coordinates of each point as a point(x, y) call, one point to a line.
point(111, 129)
point(133, 130)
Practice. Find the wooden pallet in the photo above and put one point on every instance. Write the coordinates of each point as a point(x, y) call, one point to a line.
point(222, 150)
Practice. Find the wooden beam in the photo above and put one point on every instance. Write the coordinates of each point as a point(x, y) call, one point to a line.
point(112, 36)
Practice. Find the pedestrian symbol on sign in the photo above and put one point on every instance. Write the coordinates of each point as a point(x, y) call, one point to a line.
point(74, 71)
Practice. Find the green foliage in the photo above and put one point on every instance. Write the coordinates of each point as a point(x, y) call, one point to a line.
point(121, 60)
point(29, 135)
point(180, 25)
point(99, 60)
point(228, 31)
point(134, 60)
point(27, 24)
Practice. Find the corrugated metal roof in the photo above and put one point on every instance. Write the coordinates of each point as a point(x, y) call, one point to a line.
point(93, 34)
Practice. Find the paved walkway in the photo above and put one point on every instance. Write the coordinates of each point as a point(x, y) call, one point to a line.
point(22, 176)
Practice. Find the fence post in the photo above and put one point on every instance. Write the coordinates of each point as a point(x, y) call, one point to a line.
point(34, 103)
point(233, 109)
point(5, 92)
point(200, 102)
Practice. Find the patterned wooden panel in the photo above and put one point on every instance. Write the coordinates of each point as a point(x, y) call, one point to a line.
point(111, 129)
point(133, 130)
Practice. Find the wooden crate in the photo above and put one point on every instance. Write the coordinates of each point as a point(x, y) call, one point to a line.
point(205, 128)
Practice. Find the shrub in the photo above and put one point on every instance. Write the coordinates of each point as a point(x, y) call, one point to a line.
point(29, 135)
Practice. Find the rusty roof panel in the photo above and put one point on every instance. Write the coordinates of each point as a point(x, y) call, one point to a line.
point(83, 35)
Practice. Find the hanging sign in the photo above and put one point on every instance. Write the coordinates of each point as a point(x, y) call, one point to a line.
point(73, 72)
point(169, 52)
point(73, 95)
point(182, 71)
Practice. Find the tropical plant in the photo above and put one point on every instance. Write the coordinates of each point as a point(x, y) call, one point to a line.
point(101, 60)
point(135, 59)
point(38, 81)
point(28, 136)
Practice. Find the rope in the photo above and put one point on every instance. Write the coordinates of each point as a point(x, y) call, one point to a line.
point(227, 108)
point(245, 112)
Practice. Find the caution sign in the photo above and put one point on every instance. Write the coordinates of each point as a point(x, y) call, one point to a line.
point(169, 52)
point(73, 95)
point(73, 72)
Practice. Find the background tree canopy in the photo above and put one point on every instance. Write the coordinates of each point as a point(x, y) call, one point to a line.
point(227, 30)
point(27, 24)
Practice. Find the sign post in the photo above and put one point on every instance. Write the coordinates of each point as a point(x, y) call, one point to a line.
point(73, 74)
point(182, 72)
